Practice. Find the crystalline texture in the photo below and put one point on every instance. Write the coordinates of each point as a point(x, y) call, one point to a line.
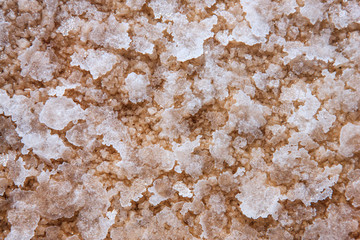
point(97, 62)
point(257, 198)
point(136, 84)
point(313, 10)
point(37, 64)
point(349, 139)
point(189, 37)
point(58, 112)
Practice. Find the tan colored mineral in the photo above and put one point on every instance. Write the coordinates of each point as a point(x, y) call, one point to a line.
point(169, 119)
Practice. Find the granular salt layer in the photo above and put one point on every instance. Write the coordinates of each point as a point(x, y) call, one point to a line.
point(169, 119)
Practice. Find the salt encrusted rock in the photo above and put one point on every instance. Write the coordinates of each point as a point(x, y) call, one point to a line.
point(246, 116)
point(22, 215)
point(353, 187)
point(136, 84)
point(29, 127)
point(8, 135)
point(339, 223)
point(74, 237)
point(189, 37)
point(28, 5)
point(350, 44)
point(173, 124)
point(146, 34)
point(212, 223)
point(317, 186)
point(313, 10)
point(163, 8)
point(95, 219)
point(349, 139)
point(79, 135)
point(241, 231)
point(202, 4)
point(167, 119)
point(135, 4)
point(221, 149)
point(110, 34)
point(23, 223)
point(58, 112)
point(60, 199)
point(336, 97)
point(17, 170)
point(60, 90)
point(182, 189)
point(342, 15)
point(257, 198)
point(190, 163)
point(44, 145)
point(278, 233)
point(304, 116)
point(132, 193)
point(167, 218)
point(115, 134)
point(4, 35)
point(157, 157)
point(317, 48)
point(213, 80)
point(175, 85)
point(257, 20)
point(162, 191)
point(82, 7)
point(217, 203)
point(326, 120)
point(97, 62)
point(226, 181)
point(98, 229)
point(71, 25)
point(37, 64)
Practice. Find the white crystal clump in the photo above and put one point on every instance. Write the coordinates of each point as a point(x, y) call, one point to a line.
point(58, 112)
point(37, 64)
point(110, 34)
point(136, 84)
point(183, 190)
point(40, 139)
point(257, 20)
point(259, 199)
point(349, 139)
point(189, 37)
point(97, 62)
point(313, 10)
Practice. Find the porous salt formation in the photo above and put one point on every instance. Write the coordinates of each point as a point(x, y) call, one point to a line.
point(168, 119)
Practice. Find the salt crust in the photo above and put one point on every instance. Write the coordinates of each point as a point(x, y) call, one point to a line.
point(98, 62)
point(58, 112)
point(188, 42)
point(137, 87)
point(349, 139)
point(37, 64)
point(183, 190)
point(259, 200)
point(179, 120)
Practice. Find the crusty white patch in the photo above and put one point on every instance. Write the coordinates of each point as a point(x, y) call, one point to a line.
point(97, 62)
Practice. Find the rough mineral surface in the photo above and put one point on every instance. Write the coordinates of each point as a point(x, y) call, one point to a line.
point(169, 119)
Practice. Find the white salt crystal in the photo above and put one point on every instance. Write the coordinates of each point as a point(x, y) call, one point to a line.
point(98, 62)
point(58, 112)
point(136, 84)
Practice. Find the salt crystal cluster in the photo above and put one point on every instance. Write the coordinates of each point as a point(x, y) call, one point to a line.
point(169, 119)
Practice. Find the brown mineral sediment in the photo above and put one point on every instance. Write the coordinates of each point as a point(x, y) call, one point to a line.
point(166, 119)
